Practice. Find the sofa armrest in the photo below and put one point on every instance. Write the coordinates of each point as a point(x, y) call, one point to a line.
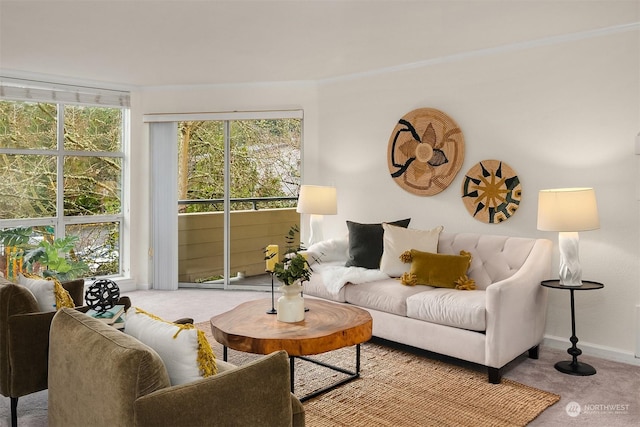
point(517, 308)
point(28, 351)
point(252, 395)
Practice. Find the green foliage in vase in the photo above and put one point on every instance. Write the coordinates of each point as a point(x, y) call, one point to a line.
point(294, 265)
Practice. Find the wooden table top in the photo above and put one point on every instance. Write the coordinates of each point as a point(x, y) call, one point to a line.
point(327, 326)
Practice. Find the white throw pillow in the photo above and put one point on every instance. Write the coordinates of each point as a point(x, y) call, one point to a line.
point(45, 292)
point(396, 240)
point(185, 351)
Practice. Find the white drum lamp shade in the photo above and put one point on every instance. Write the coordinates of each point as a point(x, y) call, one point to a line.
point(568, 211)
point(317, 201)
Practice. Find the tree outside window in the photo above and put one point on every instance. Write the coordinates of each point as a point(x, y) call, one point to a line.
point(62, 183)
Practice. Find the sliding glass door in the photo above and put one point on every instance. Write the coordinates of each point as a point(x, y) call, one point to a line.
point(201, 201)
point(238, 180)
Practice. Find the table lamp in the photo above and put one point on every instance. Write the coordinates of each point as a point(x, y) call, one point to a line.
point(568, 211)
point(317, 201)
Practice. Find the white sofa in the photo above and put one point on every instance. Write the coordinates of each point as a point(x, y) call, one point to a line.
point(492, 325)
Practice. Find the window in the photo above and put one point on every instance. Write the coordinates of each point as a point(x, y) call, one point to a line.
point(62, 187)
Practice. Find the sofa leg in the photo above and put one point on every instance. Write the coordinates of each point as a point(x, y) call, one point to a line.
point(534, 352)
point(495, 375)
point(14, 412)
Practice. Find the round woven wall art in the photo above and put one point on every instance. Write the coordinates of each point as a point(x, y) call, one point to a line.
point(491, 191)
point(425, 152)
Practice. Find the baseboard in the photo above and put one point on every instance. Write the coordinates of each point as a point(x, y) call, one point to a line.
point(594, 350)
point(124, 284)
point(638, 323)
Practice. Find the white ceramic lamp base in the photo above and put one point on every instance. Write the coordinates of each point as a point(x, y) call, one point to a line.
point(570, 268)
point(315, 223)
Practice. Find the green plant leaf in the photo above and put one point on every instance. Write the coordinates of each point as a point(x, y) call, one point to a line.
point(18, 236)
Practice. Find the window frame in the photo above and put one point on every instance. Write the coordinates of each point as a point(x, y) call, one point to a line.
point(60, 222)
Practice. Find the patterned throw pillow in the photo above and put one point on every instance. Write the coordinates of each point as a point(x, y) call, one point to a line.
point(184, 349)
point(49, 293)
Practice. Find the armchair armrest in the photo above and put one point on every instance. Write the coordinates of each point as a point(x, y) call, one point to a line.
point(76, 290)
point(184, 321)
point(517, 308)
point(28, 351)
point(251, 395)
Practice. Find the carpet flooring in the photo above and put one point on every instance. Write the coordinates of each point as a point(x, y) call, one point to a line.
point(400, 388)
point(609, 398)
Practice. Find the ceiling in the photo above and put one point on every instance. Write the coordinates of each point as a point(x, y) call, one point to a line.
point(136, 43)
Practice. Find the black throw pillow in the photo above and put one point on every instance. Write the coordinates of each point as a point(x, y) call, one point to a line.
point(365, 243)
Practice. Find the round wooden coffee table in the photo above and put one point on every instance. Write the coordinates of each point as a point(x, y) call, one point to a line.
point(327, 326)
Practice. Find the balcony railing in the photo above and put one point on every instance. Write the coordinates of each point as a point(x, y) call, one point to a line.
point(201, 238)
point(219, 203)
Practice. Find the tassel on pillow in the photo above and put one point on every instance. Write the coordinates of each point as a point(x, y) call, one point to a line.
point(409, 279)
point(464, 283)
point(63, 299)
point(406, 257)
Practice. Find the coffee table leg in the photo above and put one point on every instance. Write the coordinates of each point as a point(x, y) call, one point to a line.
point(224, 353)
point(351, 374)
point(292, 363)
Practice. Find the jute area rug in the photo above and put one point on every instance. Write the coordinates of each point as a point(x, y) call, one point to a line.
point(400, 388)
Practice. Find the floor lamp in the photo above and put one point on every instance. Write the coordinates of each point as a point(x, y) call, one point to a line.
point(317, 201)
point(568, 211)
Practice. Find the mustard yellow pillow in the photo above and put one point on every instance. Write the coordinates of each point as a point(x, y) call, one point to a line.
point(438, 270)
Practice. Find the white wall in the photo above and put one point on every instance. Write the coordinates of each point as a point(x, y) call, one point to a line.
point(560, 115)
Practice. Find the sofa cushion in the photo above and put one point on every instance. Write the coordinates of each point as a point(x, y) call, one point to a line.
point(316, 287)
point(184, 349)
point(49, 293)
point(396, 240)
point(450, 307)
point(383, 295)
point(365, 243)
point(438, 270)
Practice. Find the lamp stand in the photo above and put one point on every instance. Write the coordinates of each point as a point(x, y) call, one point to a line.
point(570, 268)
point(315, 221)
point(573, 367)
point(273, 308)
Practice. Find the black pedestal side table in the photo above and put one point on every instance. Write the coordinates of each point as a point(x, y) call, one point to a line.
point(573, 367)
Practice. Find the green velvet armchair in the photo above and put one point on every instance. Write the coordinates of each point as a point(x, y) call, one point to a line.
point(24, 340)
point(99, 376)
